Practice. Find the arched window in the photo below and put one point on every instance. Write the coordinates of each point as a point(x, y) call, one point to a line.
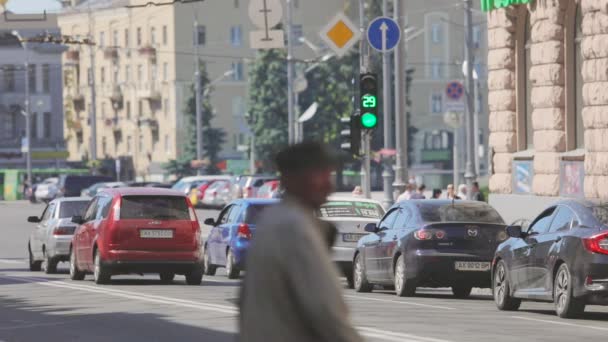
point(575, 130)
point(525, 131)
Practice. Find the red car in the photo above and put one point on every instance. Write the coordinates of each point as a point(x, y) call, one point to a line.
point(269, 189)
point(137, 230)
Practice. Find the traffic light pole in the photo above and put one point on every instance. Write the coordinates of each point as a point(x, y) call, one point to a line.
point(365, 137)
point(386, 174)
point(400, 103)
point(470, 168)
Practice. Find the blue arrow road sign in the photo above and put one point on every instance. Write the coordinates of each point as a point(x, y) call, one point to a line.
point(383, 34)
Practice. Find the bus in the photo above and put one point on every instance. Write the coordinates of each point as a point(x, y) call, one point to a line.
point(12, 180)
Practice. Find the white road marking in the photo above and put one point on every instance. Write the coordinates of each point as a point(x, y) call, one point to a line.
point(400, 302)
point(13, 261)
point(395, 336)
point(561, 323)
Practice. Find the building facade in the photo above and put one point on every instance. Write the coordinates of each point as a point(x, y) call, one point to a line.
point(45, 92)
point(435, 55)
point(548, 81)
point(144, 62)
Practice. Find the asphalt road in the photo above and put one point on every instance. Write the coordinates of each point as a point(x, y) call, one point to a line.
point(38, 307)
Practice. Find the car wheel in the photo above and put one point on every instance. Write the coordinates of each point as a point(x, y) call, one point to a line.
point(167, 277)
point(350, 281)
point(231, 268)
point(195, 277)
point(566, 305)
point(34, 265)
point(502, 289)
point(75, 273)
point(359, 277)
point(101, 275)
point(209, 269)
point(403, 287)
point(462, 291)
point(49, 265)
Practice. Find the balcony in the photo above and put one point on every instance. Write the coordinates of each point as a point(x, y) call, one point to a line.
point(149, 52)
point(116, 98)
point(72, 57)
point(74, 125)
point(110, 53)
point(78, 101)
point(148, 91)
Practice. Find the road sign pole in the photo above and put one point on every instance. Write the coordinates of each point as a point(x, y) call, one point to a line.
point(400, 104)
point(470, 169)
point(386, 174)
point(290, 74)
point(365, 141)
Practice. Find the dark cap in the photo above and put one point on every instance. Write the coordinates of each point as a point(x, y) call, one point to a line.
point(305, 157)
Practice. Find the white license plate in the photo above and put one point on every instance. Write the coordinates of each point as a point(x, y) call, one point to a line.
point(352, 237)
point(473, 266)
point(156, 233)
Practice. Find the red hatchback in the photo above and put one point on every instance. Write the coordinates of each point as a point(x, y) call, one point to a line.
point(137, 230)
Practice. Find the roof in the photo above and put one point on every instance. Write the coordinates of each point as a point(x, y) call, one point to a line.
point(142, 192)
point(352, 199)
point(71, 199)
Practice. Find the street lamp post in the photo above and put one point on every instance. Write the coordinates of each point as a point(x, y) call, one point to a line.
point(28, 132)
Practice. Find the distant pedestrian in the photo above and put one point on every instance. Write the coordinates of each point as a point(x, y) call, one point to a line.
point(477, 195)
point(437, 193)
point(357, 191)
point(462, 191)
point(410, 188)
point(451, 193)
point(291, 290)
point(420, 193)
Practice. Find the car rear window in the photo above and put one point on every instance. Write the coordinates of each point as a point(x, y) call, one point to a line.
point(601, 213)
point(459, 212)
point(72, 208)
point(154, 207)
point(254, 212)
point(351, 209)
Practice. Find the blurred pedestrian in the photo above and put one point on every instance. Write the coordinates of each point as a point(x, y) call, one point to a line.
point(437, 193)
point(420, 193)
point(462, 191)
point(410, 188)
point(357, 191)
point(451, 194)
point(291, 290)
point(476, 193)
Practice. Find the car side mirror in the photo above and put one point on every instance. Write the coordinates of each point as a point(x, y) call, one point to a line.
point(77, 219)
point(210, 222)
point(371, 228)
point(515, 232)
point(33, 219)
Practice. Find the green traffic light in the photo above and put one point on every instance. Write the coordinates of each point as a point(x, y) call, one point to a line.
point(369, 120)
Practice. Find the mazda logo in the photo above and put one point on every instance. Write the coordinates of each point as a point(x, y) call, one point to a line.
point(472, 232)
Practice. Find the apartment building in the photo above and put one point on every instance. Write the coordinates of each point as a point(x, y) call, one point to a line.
point(435, 51)
point(46, 102)
point(143, 62)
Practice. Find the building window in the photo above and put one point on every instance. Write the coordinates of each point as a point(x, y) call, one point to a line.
point(154, 73)
point(140, 144)
point(34, 125)
point(9, 77)
point(201, 35)
point(166, 107)
point(46, 78)
point(116, 72)
point(129, 144)
point(437, 103)
point(102, 39)
point(128, 109)
point(575, 130)
point(104, 146)
point(165, 71)
point(165, 36)
point(127, 73)
point(153, 36)
point(115, 38)
point(237, 71)
point(103, 110)
point(476, 36)
point(436, 69)
point(103, 75)
point(46, 119)
point(127, 40)
point(167, 144)
point(138, 36)
point(297, 34)
point(89, 78)
point(140, 108)
point(140, 72)
point(236, 36)
point(436, 32)
point(32, 77)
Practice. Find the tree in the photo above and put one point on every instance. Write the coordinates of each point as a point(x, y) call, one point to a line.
point(268, 104)
point(213, 138)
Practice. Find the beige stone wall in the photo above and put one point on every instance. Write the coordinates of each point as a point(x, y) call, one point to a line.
point(501, 97)
point(595, 96)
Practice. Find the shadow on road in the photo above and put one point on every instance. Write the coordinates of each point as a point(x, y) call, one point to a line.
point(24, 321)
point(587, 316)
point(437, 293)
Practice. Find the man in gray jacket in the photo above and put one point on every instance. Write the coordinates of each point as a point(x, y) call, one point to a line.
point(291, 291)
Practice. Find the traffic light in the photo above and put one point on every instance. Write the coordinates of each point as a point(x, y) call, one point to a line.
point(369, 101)
point(351, 134)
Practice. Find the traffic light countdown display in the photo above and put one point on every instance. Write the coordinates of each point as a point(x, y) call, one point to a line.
point(369, 101)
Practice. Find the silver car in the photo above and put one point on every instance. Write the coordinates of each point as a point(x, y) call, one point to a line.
point(349, 215)
point(49, 243)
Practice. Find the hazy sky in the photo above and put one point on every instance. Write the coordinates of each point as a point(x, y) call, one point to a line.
point(32, 6)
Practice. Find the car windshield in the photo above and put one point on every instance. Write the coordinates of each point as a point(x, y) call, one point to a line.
point(180, 186)
point(459, 212)
point(154, 207)
point(358, 209)
point(72, 208)
point(254, 212)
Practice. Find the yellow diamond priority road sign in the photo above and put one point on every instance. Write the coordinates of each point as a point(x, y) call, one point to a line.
point(340, 34)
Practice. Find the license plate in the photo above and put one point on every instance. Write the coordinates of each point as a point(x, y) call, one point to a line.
point(352, 237)
point(156, 233)
point(473, 266)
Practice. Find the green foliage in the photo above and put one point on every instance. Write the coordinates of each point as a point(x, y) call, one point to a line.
point(268, 104)
point(213, 138)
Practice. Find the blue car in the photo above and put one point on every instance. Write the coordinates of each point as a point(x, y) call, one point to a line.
point(231, 235)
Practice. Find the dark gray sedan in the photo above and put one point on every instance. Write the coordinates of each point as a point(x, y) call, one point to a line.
point(562, 258)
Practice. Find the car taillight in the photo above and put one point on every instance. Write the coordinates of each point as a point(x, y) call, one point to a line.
point(64, 231)
point(192, 214)
point(423, 235)
point(597, 243)
point(244, 231)
point(440, 234)
point(116, 209)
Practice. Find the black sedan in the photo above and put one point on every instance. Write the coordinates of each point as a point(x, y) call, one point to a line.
point(430, 243)
point(561, 258)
